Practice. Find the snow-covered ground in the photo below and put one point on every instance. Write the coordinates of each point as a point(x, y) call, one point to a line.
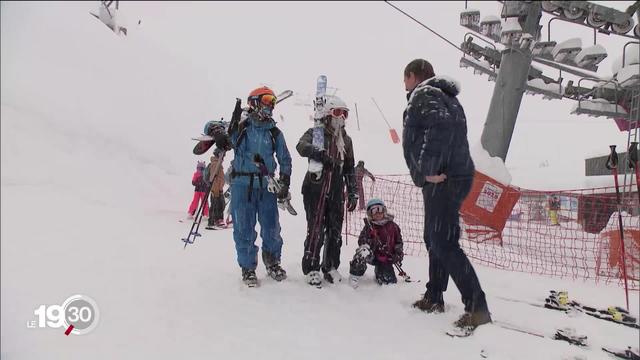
point(96, 165)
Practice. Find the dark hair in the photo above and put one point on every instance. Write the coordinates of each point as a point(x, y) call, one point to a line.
point(421, 68)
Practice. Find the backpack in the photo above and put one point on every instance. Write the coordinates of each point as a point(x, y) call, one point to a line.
point(242, 131)
point(205, 174)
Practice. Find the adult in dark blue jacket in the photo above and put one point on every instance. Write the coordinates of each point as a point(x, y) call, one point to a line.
point(257, 137)
point(437, 153)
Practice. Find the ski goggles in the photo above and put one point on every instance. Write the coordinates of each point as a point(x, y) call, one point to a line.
point(268, 100)
point(374, 209)
point(338, 112)
point(264, 100)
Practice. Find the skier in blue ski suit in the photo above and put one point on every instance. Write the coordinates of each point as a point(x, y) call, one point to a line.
point(257, 136)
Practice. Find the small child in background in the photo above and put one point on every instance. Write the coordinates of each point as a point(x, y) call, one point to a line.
point(200, 193)
point(380, 245)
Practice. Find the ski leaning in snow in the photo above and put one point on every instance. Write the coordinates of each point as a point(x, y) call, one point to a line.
point(318, 129)
point(565, 334)
point(559, 300)
point(468, 331)
point(273, 186)
point(627, 354)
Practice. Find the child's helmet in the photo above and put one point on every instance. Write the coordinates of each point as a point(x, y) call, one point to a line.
point(335, 107)
point(374, 206)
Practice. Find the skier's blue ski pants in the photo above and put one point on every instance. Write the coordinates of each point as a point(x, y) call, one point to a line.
point(264, 205)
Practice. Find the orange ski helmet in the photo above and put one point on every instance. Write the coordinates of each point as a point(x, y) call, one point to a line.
point(262, 96)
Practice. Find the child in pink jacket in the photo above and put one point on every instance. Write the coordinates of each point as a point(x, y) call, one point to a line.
point(200, 193)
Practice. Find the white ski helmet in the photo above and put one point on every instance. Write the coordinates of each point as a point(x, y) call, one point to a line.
point(333, 102)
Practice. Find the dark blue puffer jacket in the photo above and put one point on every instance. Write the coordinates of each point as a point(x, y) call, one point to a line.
point(434, 137)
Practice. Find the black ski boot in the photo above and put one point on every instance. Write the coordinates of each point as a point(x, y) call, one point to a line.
point(272, 263)
point(249, 277)
point(385, 274)
point(276, 272)
point(332, 276)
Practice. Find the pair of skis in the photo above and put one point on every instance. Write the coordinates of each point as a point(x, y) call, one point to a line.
point(564, 334)
point(558, 300)
point(317, 168)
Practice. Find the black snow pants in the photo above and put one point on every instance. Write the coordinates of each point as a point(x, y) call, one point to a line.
point(328, 228)
point(442, 204)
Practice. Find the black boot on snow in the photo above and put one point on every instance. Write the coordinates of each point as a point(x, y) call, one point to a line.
point(332, 276)
point(385, 274)
point(472, 320)
point(272, 263)
point(249, 277)
point(276, 272)
point(428, 306)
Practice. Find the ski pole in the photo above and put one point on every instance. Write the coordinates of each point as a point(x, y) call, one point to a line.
point(612, 164)
point(401, 272)
point(632, 155)
point(346, 225)
point(196, 224)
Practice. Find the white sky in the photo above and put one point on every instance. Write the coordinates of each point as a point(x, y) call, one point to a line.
point(362, 47)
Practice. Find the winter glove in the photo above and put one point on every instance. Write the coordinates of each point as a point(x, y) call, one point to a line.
point(364, 252)
point(284, 182)
point(352, 202)
point(221, 137)
point(323, 157)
